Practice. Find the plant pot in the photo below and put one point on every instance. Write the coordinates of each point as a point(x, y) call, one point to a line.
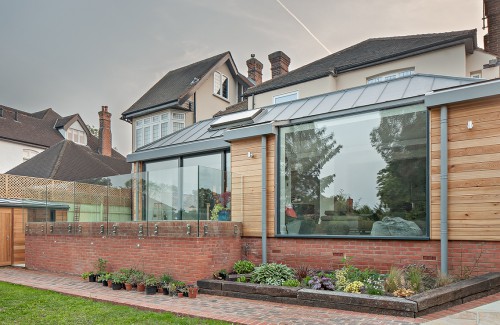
point(151, 290)
point(165, 291)
point(180, 294)
point(92, 278)
point(141, 287)
point(104, 283)
point(185, 294)
point(117, 286)
point(110, 283)
point(128, 286)
point(192, 292)
point(224, 215)
point(160, 290)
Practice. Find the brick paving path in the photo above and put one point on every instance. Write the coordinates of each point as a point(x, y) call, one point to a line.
point(238, 311)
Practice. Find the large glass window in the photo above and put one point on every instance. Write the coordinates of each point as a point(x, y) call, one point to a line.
point(358, 175)
point(162, 191)
point(154, 127)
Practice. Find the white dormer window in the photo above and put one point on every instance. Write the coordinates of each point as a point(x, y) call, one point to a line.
point(390, 75)
point(221, 85)
point(154, 127)
point(76, 134)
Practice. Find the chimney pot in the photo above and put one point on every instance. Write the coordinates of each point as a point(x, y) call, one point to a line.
point(105, 132)
point(279, 63)
point(254, 69)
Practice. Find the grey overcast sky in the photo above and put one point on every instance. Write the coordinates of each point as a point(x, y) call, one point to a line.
point(76, 56)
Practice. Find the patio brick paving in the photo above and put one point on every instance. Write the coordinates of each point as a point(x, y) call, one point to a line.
point(238, 311)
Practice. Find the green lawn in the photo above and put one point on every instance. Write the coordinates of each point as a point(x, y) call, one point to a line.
point(24, 305)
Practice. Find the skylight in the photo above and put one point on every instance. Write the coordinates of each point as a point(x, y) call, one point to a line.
point(236, 118)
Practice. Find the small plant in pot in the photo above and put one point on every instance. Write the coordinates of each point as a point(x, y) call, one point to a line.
point(118, 279)
point(220, 275)
point(165, 280)
point(89, 275)
point(172, 289)
point(192, 290)
point(151, 283)
point(106, 279)
point(181, 289)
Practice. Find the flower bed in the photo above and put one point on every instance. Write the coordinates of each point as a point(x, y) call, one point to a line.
point(413, 306)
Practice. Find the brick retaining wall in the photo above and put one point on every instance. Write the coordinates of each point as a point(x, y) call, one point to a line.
point(326, 254)
point(185, 257)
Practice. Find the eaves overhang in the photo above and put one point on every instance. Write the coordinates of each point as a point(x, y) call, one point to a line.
point(178, 150)
point(463, 93)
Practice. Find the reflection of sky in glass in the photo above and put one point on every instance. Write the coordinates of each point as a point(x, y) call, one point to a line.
point(357, 163)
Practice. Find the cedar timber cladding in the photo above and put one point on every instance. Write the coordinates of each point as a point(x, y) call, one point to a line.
point(250, 197)
point(18, 236)
point(473, 170)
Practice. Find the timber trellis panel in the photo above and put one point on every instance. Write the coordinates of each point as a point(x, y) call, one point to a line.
point(24, 187)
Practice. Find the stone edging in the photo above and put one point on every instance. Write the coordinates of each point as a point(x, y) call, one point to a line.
point(414, 306)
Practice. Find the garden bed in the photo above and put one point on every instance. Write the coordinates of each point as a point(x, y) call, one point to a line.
point(414, 306)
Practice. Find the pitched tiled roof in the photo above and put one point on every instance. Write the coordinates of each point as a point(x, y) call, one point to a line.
point(175, 84)
point(39, 128)
point(29, 128)
point(370, 52)
point(238, 107)
point(69, 161)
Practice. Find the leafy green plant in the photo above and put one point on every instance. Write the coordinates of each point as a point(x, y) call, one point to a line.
point(291, 283)
point(220, 275)
point(151, 280)
point(242, 279)
point(414, 275)
point(243, 267)
point(165, 279)
point(214, 215)
point(100, 265)
point(305, 281)
point(272, 274)
point(119, 277)
point(86, 275)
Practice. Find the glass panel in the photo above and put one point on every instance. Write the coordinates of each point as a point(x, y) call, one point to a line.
point(285, 98)
point(162, 194)
point(225, 87)
point(217, 83)
point(164, 129)
point(164, 117)
point(156, 132)
point(177, 126)
point(138, 138)
point(358, 175)
point(147, 134)
point(200, 189)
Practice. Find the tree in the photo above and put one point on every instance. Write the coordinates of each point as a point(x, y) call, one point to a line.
point(306, 152)
point(93, 130)
point(401, 141)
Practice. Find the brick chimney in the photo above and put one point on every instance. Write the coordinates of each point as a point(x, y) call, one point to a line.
point(492, 39)
point(105, 132)
point(254, 69)
point(279, 63)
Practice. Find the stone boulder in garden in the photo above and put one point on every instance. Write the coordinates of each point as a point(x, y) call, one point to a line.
point(396, 226)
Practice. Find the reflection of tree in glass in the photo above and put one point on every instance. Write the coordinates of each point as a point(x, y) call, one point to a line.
point(306, 152)
point(400, 140)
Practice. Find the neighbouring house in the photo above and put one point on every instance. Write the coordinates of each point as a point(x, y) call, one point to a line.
point(184, 96)
point(75, 154)
point(378, 59)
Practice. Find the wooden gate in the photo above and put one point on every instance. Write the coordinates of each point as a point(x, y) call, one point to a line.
point(5, 237)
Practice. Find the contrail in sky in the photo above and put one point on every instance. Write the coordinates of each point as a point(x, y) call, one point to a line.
point(302, 24)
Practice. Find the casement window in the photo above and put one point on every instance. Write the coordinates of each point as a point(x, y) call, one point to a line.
point(390, 76)
point(154, 127)
point(286, 97)
point(221, 85)
point(29, 153)
point(77, 136)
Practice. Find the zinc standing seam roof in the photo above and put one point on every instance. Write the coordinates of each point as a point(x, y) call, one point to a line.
point(370, 94)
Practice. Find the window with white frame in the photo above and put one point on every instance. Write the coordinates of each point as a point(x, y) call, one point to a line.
point(154, 127)
point(476, 74)
point(294, 95)
point(390, 76)
point(77, 136)
point(29, 153)
point(221, 85)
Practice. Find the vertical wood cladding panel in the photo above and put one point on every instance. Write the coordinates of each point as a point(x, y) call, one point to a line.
point(473, 170)
point(248, 172)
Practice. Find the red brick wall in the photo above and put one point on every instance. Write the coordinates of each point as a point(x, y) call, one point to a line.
point(185, 257)
point(492, 39)
point(326, 254)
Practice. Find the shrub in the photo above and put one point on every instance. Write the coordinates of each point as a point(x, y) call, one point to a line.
point(305, 281)
point(302, 272)
point(272, 274)
point(100, 265)
point(321, 283)
point(243, 267)
point(165, 279)
point(151, 280)
point(354, 287)
point(291, 283)
point(119, 277)
point(341, 280)
point(414, 275)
